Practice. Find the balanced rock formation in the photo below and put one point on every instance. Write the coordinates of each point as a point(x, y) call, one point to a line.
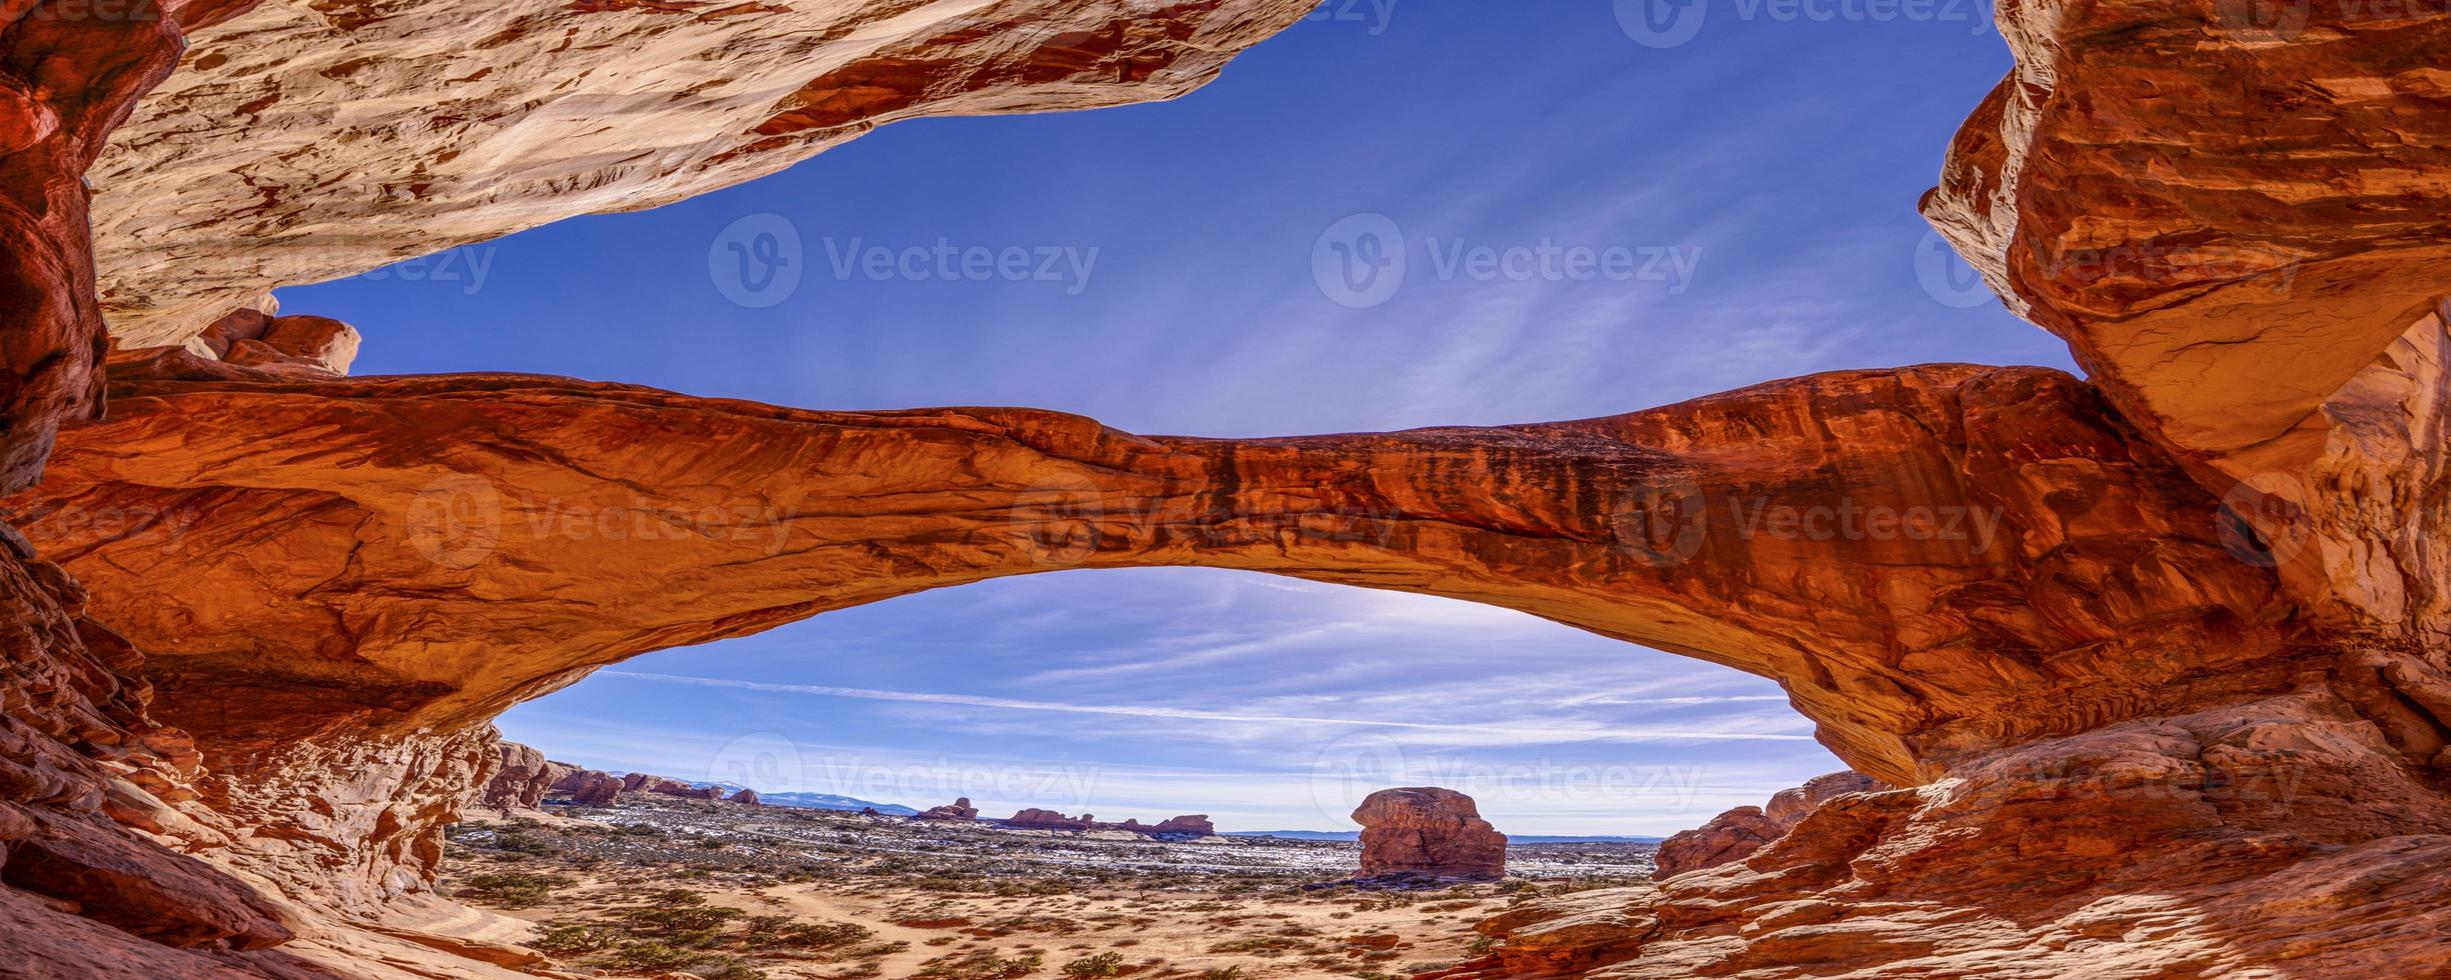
point(1732, 835)
point(589, 787)
point(957, 810)
point(746, 797)
point(1428, 831)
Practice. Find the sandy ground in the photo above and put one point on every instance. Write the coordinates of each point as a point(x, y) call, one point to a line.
point(735, 893)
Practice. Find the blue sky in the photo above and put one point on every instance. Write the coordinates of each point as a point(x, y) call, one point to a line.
point(1589, 225)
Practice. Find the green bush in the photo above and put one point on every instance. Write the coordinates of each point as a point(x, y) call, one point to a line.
point(651, 956)
point(572, 940)
point(513, 889)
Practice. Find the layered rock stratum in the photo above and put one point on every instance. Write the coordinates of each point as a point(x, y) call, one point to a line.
point(2156, 656)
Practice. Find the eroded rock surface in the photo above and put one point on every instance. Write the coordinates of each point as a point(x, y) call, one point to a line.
point(1426, 830)
point(2275, 835)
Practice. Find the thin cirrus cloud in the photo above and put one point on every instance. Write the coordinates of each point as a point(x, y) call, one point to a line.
point(1540, 733)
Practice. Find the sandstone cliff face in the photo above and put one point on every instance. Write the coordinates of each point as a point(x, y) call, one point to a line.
point(1425, 830)
point(307, 140)
point(521, 776)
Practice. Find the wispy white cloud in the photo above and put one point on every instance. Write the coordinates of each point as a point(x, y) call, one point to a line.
point(1560, 733)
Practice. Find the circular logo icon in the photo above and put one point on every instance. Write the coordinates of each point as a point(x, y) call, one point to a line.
point(1947, 278)
point(1059, 520)
point(1661, 23)
point(766, 762)
point(455, 521)
point(1661, 522)
point(1348, 770)
point(2261, 521)
point(757, 261)
point(1360, 261)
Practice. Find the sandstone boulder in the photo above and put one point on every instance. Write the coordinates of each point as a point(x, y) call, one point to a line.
point(1727, 837)
point(957, 810)
point(746, 797)
point(1739, 832)
point(1428, 831)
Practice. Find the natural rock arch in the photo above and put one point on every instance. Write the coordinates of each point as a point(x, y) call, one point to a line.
point(1933, 561)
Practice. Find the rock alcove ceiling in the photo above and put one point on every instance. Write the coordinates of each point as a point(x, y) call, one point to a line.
point(2185, 713)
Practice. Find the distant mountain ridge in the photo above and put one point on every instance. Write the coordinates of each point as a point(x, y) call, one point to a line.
point(1355, 835)
point(821, 801)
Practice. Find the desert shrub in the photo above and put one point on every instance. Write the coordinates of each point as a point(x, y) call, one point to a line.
point(651, 956)
point(689, 925)
point(826, 935)
point(726, 968)
point(572, 939)
point(1259, 946)
point(1101, 965)
point(677, 896)
point(514, 842)
point(1223, 973)
point(513, 889)
point(983, 966)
